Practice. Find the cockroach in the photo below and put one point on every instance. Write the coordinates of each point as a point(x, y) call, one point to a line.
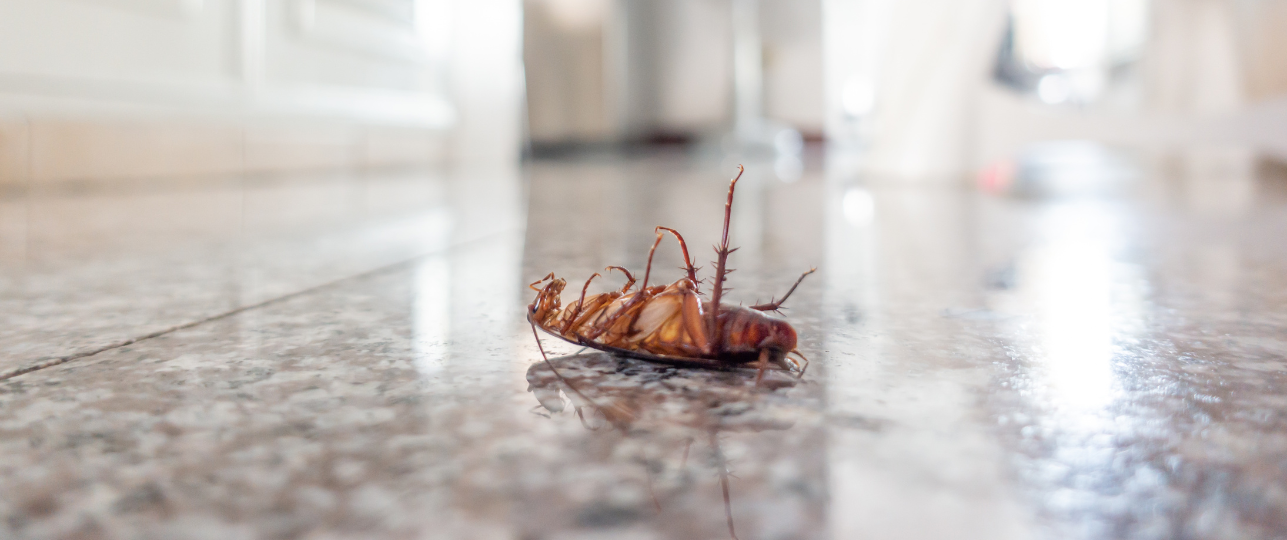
point(672, 324)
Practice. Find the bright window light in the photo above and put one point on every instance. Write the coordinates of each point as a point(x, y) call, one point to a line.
point(1079, 34)
point(1062, 34)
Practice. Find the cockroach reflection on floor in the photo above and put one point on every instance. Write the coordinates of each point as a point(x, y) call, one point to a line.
point(666, 413)
point(673, 324)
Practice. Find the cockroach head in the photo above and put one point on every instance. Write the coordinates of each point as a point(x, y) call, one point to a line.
point(553, 289)
point(548, 297)
point(780, 336)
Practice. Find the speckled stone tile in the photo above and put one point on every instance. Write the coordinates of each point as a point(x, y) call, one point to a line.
point(340, 413)
point(982, 367)
point(83, 269)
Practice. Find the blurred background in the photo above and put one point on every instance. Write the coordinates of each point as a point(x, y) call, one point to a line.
point(263, 264)
point(922, 90)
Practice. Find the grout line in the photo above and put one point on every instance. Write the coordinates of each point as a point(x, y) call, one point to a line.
point(116, 345)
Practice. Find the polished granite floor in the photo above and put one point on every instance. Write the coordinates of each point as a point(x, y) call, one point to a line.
point(345, 356)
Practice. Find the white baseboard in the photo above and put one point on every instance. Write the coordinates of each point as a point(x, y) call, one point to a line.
point(39, 150)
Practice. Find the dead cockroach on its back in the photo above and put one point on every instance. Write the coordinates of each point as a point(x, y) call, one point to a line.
point(672, 323)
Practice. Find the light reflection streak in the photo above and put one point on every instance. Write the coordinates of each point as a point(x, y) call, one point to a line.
point(486, 268)
point(1081, 304)
point(432, 314)
point(1070, 289)
point(465, 297)
point(1084, 302)
point(931, 472)
point(854, 301)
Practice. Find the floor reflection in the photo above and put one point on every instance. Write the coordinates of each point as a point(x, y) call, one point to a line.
point(1077, 302)
point(1083, 300)
point(432, 315)
point(663, 416)
point(1124, 396)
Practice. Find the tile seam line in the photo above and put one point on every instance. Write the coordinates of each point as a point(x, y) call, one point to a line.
point(4, 376)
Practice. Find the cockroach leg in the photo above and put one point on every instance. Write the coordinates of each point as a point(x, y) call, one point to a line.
point(643, 289)
point(580, 302)
point(694, 323)
point(561, 379)
point(547, 277)
point(628, 307)
point(683, 246)
point(546, 358)
point(648, 269)
point(630, 279)
point(586, 315)
point(774, 305)
point(763, 365)
point(580, 305)
point(721, 265)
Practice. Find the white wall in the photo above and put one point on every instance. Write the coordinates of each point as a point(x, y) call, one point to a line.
point(903, 80)
point(93, 88)
point(793, 74)
point(362, 60)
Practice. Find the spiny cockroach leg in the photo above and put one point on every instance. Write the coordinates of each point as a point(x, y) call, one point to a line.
point(634, 300)
point(774, 305)
point(643, 289)
point(595, 275)
point(721, 263)
point(648, 269)
point(630, 278)
point(580, 305)
point(763, 365)
point(547, 277)
point(688, 262)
